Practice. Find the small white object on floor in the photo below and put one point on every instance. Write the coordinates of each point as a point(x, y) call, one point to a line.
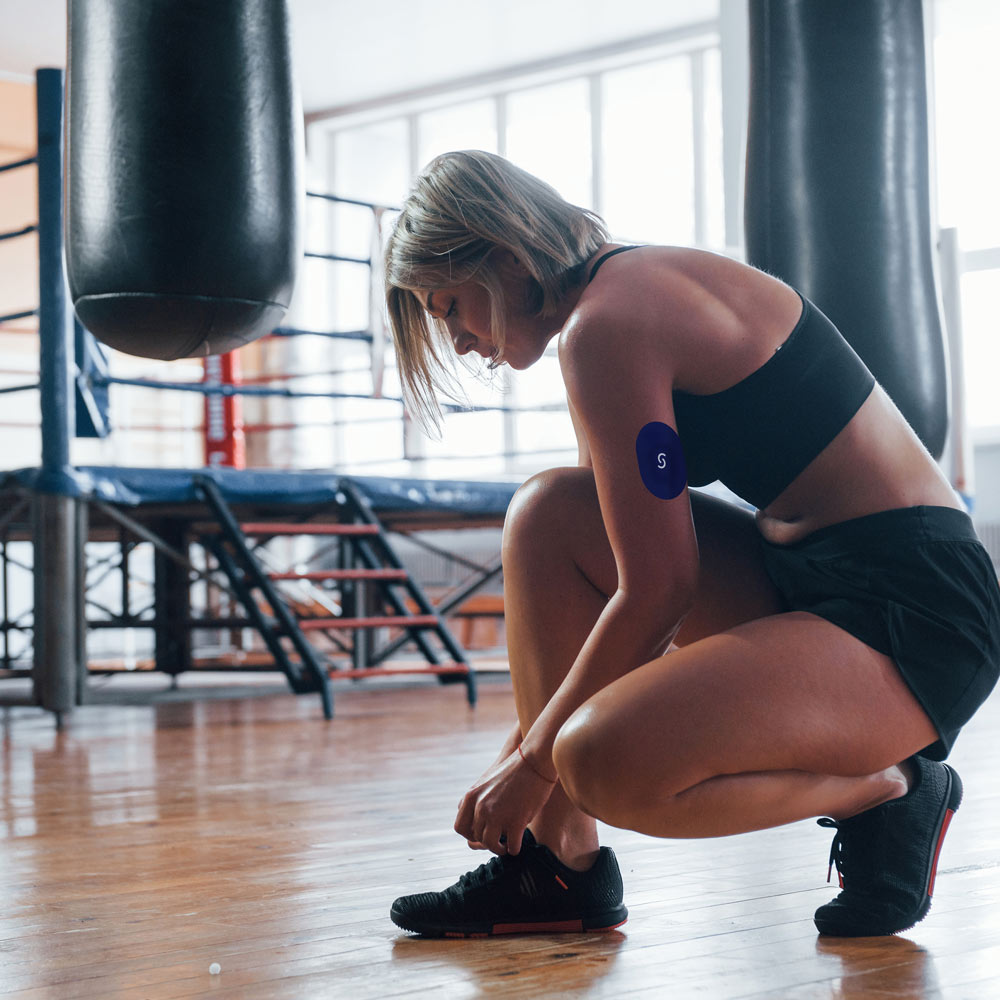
point(215, 968)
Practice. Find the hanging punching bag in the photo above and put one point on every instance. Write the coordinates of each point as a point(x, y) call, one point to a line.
point(183, 156)
point(837, 200)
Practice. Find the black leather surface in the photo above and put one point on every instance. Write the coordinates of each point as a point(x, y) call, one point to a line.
point(837, 200)
point(183, 172)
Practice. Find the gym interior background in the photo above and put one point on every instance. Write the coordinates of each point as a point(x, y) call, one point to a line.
point(636, 115)
point(637, 109)
point(640, 114)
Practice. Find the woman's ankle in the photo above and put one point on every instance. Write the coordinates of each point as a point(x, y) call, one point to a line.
point(877, 789)
point(576, 849)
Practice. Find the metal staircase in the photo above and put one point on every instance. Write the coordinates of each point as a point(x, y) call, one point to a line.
point(375, 589)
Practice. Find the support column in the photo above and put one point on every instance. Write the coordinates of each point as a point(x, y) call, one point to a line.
point(172, 603)
point(57, 562)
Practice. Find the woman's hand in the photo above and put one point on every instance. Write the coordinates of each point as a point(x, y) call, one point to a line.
point(497, 809)
point(510, 745)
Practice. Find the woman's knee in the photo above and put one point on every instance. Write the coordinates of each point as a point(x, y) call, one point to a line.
point(540, 503)
point(610, 771)
point(556, 514)
point(584, 759)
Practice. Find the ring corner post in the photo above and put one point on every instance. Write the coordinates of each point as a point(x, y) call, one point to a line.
point(57, 673)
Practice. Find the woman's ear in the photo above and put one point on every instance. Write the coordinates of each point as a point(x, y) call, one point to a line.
point(511, 265)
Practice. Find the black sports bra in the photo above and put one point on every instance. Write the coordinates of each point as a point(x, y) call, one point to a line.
point(610, 253)
point(759, 434)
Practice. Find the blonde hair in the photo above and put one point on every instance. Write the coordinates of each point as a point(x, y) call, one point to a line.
point(463, 207)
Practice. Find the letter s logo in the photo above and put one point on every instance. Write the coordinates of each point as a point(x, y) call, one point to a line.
point(661, 460)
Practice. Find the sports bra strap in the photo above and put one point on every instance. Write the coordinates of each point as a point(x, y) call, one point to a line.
point(611, 253)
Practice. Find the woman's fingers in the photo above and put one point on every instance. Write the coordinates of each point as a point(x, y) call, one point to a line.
point(465, 820)
point(513, 840)
point(494, 813)
point(503, 837)
point(498, 841)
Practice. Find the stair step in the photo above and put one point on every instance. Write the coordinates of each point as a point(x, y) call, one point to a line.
point(374, 622)
point(343, 574)
point(276, 528)
point(436, 669)
point(282, 528)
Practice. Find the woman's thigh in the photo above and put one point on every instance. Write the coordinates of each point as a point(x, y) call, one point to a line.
point(561, 506)
point(733, 586)
point(787, 692)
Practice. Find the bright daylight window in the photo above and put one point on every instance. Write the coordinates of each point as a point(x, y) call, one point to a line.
point(471, 125)
point(967, 78)
point(648, 178)
point(651, 164)
point(548, 133)
point(640, 143)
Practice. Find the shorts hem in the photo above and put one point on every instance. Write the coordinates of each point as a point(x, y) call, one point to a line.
point(914, 584)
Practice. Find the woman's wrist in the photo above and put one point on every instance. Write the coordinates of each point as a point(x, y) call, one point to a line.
point(534, 767)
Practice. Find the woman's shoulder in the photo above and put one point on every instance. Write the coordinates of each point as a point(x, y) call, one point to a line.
point(691, 310)
point(657, 298)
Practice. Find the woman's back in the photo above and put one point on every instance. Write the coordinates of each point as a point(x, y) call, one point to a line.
point(719, 328)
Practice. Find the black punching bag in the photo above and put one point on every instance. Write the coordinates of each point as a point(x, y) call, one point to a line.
point(837, 200)
point(183, 189)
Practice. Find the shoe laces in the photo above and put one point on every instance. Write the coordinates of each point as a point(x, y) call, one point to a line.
point(500, 866)
point(489, 872)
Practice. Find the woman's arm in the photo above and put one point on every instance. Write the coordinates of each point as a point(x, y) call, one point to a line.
point(510, 745)
point(582, 447)
point(616, 390)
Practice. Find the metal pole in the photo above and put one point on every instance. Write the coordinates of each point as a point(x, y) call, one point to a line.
point(172, 600)
point(55, 327)
point(56, 642)
point(56, 566)
point(960, 465)
point(735, 45)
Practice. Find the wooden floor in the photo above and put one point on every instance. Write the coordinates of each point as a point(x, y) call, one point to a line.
point(141, 844)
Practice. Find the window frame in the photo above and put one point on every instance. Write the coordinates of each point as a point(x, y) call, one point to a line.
point(727, 34)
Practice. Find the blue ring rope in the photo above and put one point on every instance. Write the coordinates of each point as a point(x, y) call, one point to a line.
point(239, 390)
point(15, 233)
point(367, 261)
point(10, 317)
point(232, 390)
point(351, 201)
point(291, 331)
point(16, 164)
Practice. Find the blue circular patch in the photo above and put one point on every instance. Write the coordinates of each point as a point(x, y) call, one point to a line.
point(661, 460)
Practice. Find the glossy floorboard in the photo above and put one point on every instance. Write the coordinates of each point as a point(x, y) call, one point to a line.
point(141, 844)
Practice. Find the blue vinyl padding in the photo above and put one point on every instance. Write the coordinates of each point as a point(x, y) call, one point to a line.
point(135, 487)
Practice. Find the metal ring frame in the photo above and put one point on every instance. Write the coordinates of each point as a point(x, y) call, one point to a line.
point(52, 516)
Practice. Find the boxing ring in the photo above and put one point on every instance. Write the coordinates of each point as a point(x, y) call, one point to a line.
point(180, 586)
point(306, 562)
point(845, 222)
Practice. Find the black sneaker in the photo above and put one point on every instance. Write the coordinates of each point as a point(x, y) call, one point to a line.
point(532, 892)
point(887, 857)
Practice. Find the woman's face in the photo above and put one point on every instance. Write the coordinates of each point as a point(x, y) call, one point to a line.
point(465, 311)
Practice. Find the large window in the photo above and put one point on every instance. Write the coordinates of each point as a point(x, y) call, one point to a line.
point(549, 133)
point(967, 33)
point(967, 76)
point(981, 349)
point(638, 139)
point(471, 125)
point(647, 190)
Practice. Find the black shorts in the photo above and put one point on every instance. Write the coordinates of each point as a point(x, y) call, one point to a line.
point(915, 584)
